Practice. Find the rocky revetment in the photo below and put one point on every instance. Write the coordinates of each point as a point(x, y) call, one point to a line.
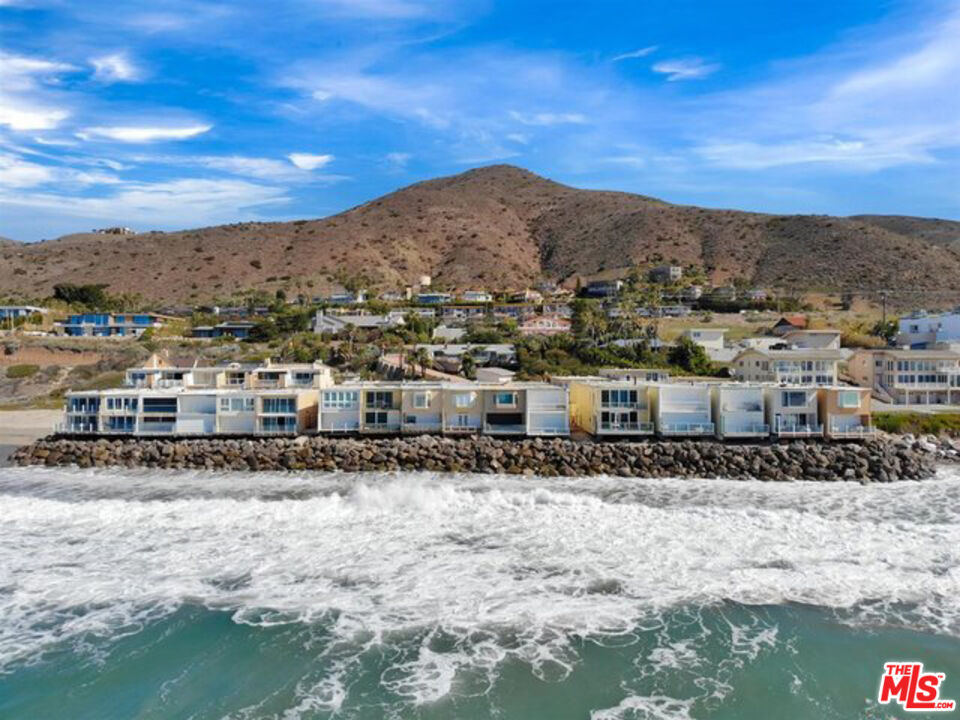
point(882, 460)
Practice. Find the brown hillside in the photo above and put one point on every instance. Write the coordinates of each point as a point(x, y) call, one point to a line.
point(934, 230)
point(497, 227)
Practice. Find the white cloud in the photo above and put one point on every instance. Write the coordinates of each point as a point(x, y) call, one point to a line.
point(383, 9)
point(15, 172)
point(642, 52)
point(548, 118)
point(685, 68)
point(521, 138)
point(22, 90)
point(861, 154)
point(400, 159)
point(307, 161)
point(116, 67)
point(143, 134)
point(188, 201)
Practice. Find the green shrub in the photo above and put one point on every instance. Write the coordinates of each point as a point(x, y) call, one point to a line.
point(17, 372)
point(918, 423)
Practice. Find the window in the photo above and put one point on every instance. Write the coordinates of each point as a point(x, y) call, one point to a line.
point(421, 401)
point(376, 418)
point(380, 399)
point(794, 399)
point(506, 399)
point(848, 399)
point(303, 378)
point(464, 400)
point(339, 399)
point(278, 406)
point(160, 405)
point(237, 404)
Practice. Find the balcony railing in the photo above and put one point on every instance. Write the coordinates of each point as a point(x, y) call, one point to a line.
point(423, 426)
point(517, 429)
point(744, 429)
point(852, 431)
point(381, 427)
point(687, 428)
point(548, 407)
point(792, 430)
point(471, 427)
point(641, 428)
point(275, 431)
point(342, 426)
point(67, 428)
point(638, 405)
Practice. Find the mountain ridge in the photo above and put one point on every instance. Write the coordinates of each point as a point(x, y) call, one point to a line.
point(498, 227)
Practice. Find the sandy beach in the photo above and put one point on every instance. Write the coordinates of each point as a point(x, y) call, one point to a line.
point(19, 427)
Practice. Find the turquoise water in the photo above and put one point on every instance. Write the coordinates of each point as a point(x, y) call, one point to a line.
point(174, 595)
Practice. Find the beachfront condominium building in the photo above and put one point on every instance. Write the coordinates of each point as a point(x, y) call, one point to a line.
point(739, 411)
point(682, 409)
point(794, 366)
point(161, 374)
point(609, 408)
point(190, 412)
point(909, 377)
point(452, 408)
point(793, 412)
point(845, 412)
point(113, 325)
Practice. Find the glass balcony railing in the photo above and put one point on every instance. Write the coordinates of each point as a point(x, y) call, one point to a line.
point(517, 429)
point(852, 431)
point(798, 430)
point(644, 428)
point(743, 429)
point(687, 428)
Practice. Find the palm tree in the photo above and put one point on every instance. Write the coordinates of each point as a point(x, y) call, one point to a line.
point(421, 358)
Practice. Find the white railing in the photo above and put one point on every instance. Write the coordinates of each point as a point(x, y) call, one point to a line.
point(275, 431)
point(744, 429)
point(687, 429)
point(68, 428)
point(381, 427)
point(795, 430)
point(631, 427)
point(345, 426)
point(683, 406)
point(457, 428)
point(631, 405)
point(852, 431)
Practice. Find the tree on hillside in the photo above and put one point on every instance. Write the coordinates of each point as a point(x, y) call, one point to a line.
point(690, 356)
point(468, 366)
point(420, 358)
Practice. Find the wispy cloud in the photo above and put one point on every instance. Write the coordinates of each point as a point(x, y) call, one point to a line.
point(693, 68)
point(308, 161)
point(641, 53)
point(16, 172)
point(399, 159)
point(190, 201)
point(116, 67)
point(142, 134)
point(549, 118)
point(25, 102)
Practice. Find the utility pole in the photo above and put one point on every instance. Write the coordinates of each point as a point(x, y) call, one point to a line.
point(883, 298)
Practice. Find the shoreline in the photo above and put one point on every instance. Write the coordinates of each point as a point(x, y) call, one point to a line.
point(23, 427)
point(884, 460)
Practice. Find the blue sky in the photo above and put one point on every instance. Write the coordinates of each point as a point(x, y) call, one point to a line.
point(165, 115)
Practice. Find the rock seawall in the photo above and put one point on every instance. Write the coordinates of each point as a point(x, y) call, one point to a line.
point(875, 461)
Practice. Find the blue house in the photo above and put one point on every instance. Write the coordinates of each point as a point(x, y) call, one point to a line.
point(110, 324)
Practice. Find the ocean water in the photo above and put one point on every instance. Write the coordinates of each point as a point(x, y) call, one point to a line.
point(148, 594)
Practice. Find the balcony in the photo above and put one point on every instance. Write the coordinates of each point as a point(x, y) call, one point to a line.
point(456, 428)
point(423, 426)
point(634, 428)
point(860, 432)
point(343, 426)
point(684, 406)
point(548, 407)
point(76, 428)
point(695, 428)
point(796, 430)
point(747, 429)
point(517, 429)
point(387, 427)
point(638, 405)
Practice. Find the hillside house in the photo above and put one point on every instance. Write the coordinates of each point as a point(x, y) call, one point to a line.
point(909, 377)
point(792, 366)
